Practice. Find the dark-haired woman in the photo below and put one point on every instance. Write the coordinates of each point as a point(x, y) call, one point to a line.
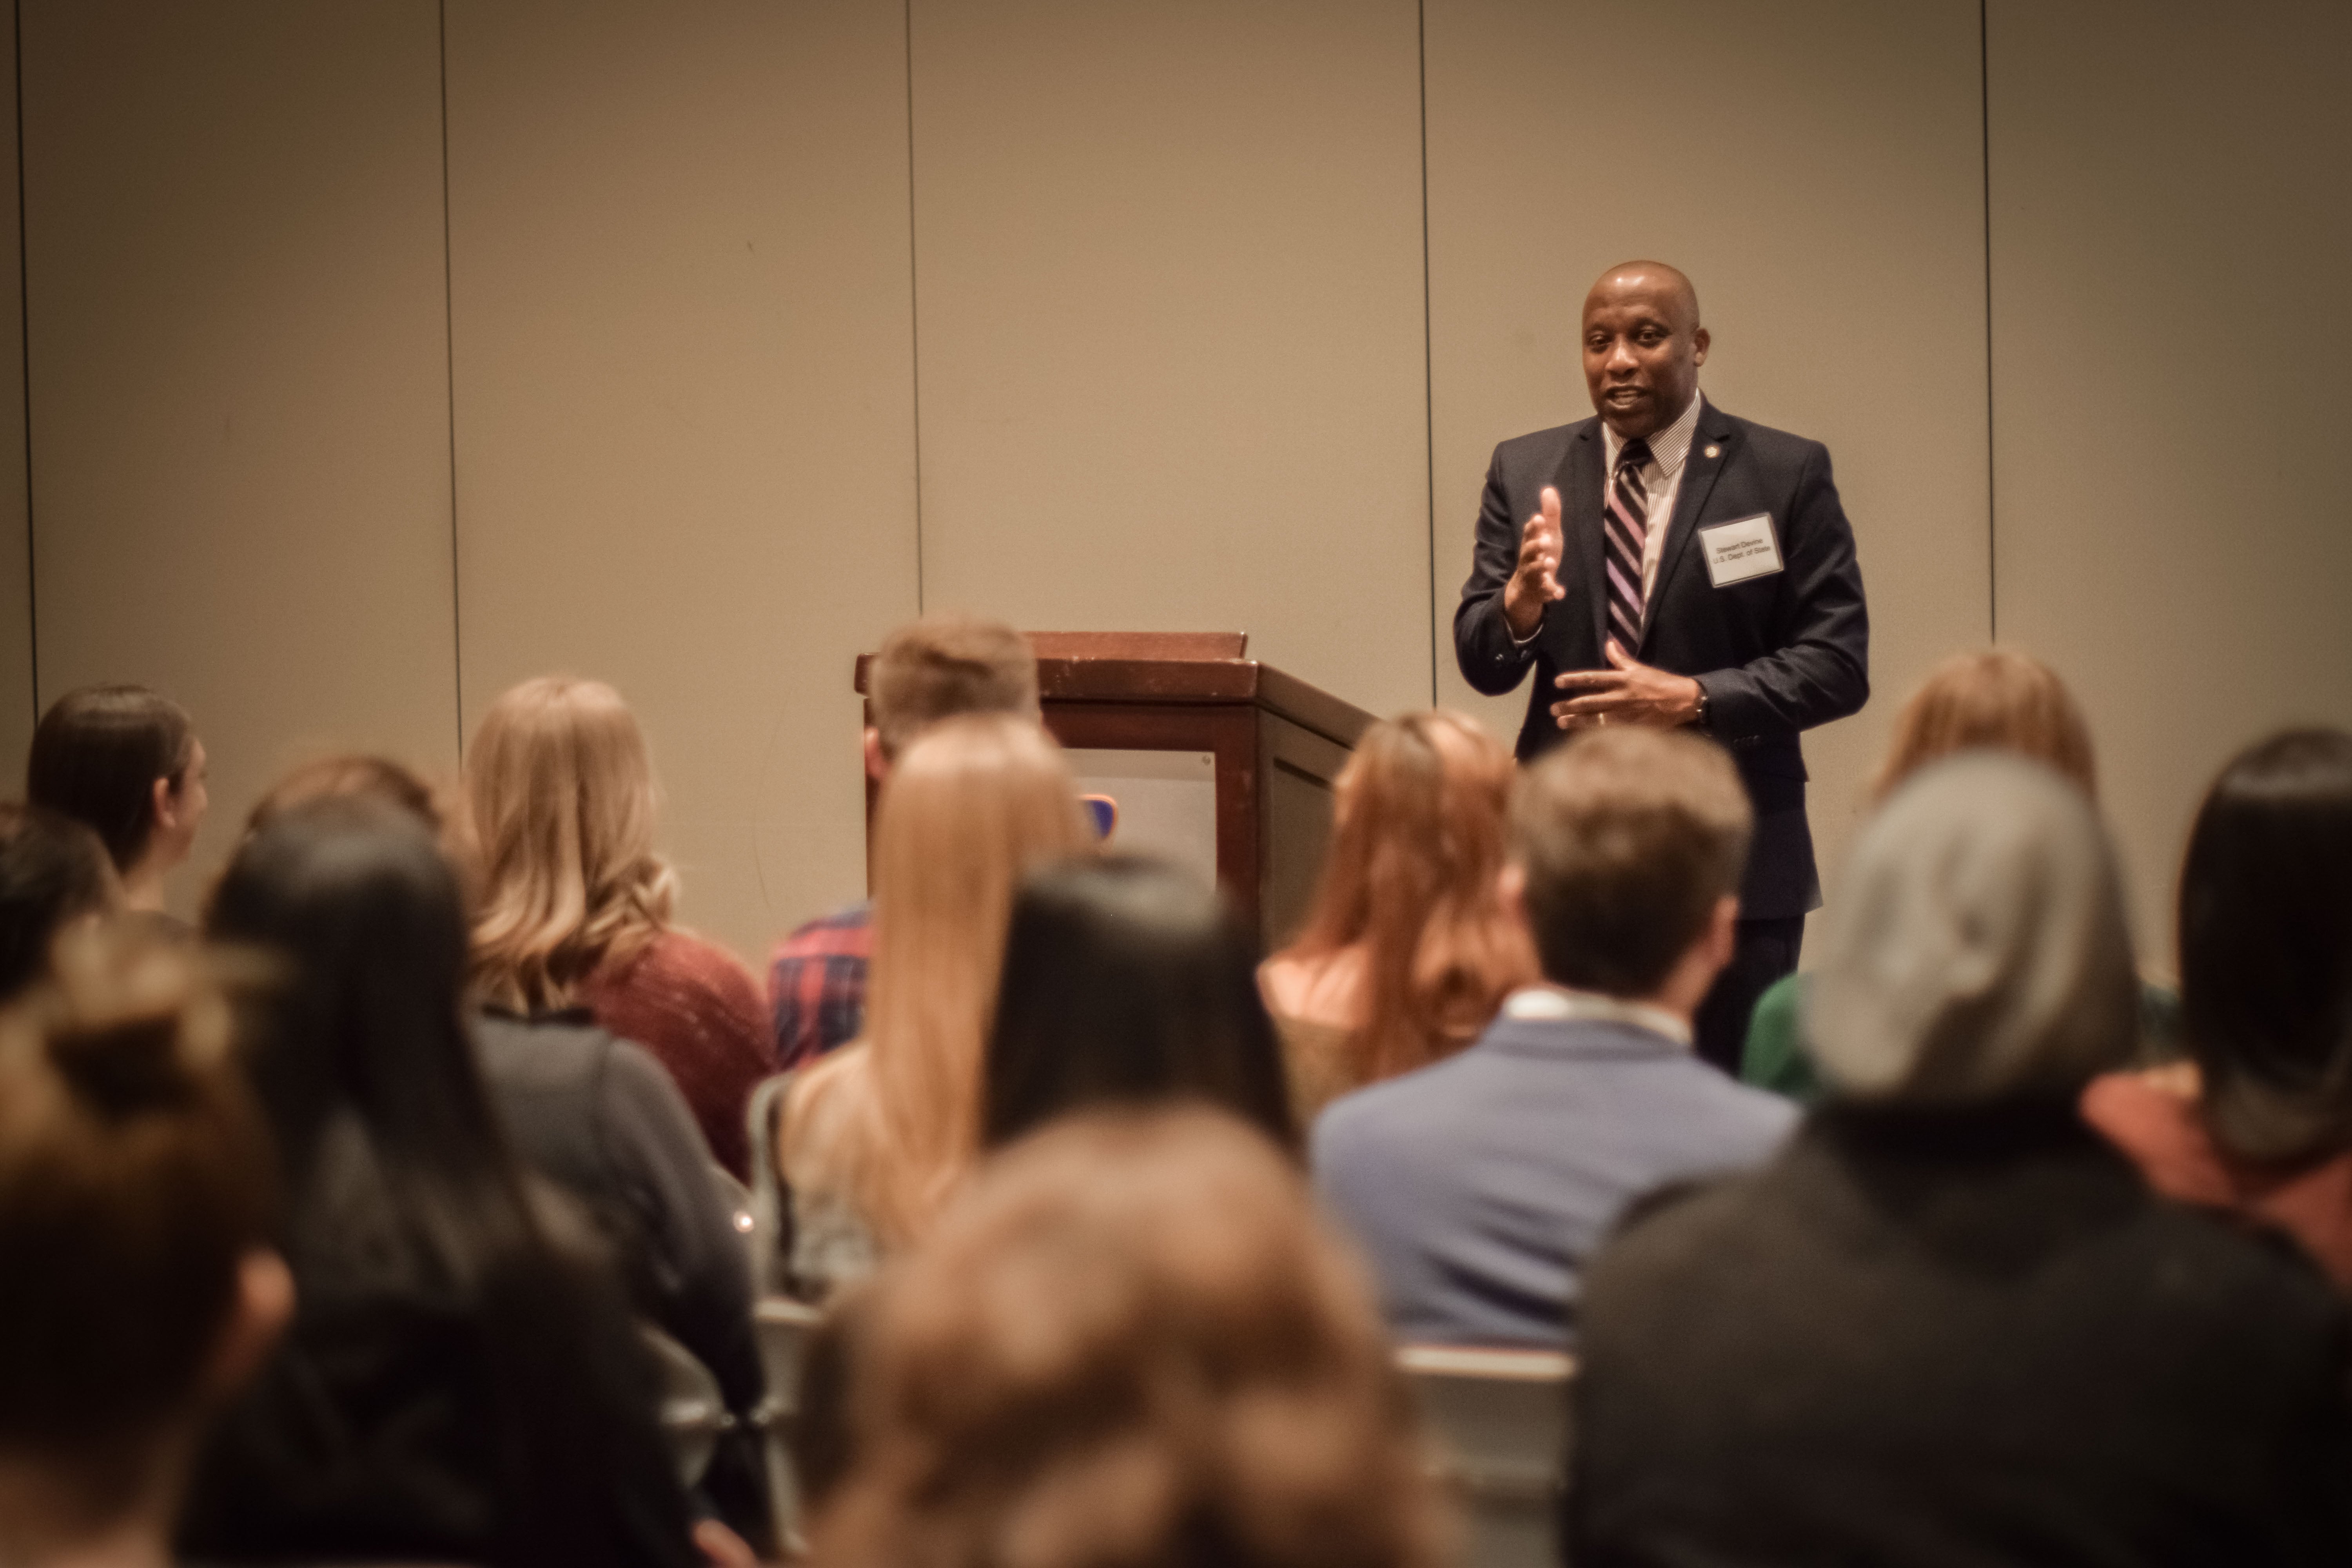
point(459, 1384)
point(1128, 982)
point(2260, 1120)
point(53, 874)
point(126, 763)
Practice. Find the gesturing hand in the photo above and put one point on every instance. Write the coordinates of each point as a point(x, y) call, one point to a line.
point(1536, 582)
point(1626, 693)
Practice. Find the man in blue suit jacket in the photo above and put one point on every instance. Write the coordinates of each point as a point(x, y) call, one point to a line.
point(1736, 610)
point(1478, 1187)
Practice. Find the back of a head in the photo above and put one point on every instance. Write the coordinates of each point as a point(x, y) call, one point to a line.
point(1127, 980)
point(1993, 699)
point(350, 776)
point(946, 664)
point(1977, 950)
point(560, 809)
point(360, 911)
point(96, 756)
point(135, 1176)
point(53, 872)
point(2266, 947)
point(1130, 1343)
point(1628, 839)
point(1417, 840)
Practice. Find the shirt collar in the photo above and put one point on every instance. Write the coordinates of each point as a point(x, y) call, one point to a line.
point(1668, 447)
point(1557, 1003)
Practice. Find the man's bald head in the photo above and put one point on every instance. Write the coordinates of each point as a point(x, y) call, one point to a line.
point(1642, 346)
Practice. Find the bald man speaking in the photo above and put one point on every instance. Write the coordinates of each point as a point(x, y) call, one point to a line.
point(1667, 563)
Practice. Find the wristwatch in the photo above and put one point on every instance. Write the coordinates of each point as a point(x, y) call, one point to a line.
point(1698, 719)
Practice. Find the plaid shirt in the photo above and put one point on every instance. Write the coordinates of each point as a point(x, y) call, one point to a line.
point(816, 985)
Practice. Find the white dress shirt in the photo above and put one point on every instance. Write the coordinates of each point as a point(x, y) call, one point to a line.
point(1559, 1003)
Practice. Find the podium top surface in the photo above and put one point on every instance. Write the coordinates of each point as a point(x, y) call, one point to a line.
point(1176, 668)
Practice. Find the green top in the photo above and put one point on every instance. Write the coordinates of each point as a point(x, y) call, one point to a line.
point(1776, 1057)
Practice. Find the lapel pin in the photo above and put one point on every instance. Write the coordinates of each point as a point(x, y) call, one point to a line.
point(1715, 451)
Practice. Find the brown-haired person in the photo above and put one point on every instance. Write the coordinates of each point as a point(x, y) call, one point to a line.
point(135, 1209)
point(1406, 951)
point(2260, 1118)
point(1949, 1323)
point(574, 907)
point(126, 763)
point(927, 670)
point(1479, 1186)
point(54, 874)
point(1992, 699)
point(876, 1137)
point(1130, 1344)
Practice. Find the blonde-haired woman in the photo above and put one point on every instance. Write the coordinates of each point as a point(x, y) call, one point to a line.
point(875, 1136)
point(1407, 951)
point(574, 905)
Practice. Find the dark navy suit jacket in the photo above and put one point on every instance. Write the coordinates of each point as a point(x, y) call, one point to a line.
point(1478, 1187)
point(1777, 654)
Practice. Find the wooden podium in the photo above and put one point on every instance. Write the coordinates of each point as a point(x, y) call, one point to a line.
point(1166, 722)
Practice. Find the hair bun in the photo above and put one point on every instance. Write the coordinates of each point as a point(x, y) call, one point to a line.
point(134, 1022)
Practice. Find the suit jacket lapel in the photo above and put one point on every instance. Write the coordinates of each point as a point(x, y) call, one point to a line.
point(1579, 483)
point(1699, 474)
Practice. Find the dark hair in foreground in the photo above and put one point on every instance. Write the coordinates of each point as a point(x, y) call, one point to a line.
point(53, 870)
point(1128, 982)
point(365, 1065)
point(135, 1174)
point(96, 756)
point(2266, 947)
point(1628, 839)
point(1129, 1343)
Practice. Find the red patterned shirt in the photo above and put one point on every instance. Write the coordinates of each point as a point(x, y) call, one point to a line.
point(816, 984)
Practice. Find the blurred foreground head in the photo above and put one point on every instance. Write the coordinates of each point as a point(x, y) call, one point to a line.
point(1977, 950)
point(1130, 1343)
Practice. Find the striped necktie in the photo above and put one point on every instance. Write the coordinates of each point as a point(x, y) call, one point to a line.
point(1627, 528)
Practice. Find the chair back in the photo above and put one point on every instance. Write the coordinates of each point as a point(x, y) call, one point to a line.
point(693, 1412)
point(1497, 1421)
point(769, 1211)
point(784, 1327)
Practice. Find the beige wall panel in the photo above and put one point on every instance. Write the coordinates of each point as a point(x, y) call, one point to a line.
point(1168, 296)
point(1817, 170)
point(684, 406)
point(17, 697)
point(2170, 329)
point(238, 374)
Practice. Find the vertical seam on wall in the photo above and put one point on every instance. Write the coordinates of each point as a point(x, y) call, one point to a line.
point(1428, 354)
point(1984, 117)
point(449, 363)
point(24, 309)
point(914, 311)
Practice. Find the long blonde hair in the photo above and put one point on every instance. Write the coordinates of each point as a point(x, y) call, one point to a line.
point(974, 803)
point(1417, 845)
point(560, 810)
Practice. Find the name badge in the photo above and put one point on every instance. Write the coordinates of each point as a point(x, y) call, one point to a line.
point(1741, 550)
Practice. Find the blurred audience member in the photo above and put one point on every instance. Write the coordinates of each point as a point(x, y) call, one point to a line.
point(599, 1117)
point(140, 1291)
point(1991, 699)
point(461, 1383)
point(1130, 1345)
point(54, 874)
point(931, 670)
point(2260, 1118)
point(1128, 982)
point(1949, 1324)
point(1407, 951)
point(1480, 1186)
point(572, 905)
point(875, 1136)
point(127, 764)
